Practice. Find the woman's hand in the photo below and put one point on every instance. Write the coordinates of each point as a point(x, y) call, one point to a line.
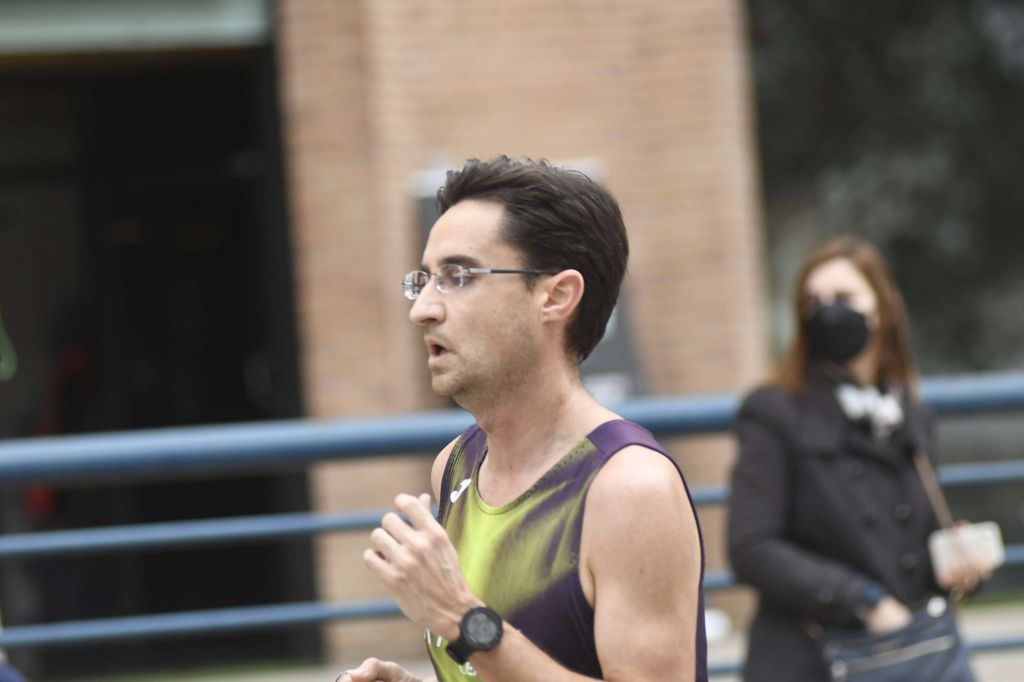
point(888, 614)
point(964, 572)
point(962, 575)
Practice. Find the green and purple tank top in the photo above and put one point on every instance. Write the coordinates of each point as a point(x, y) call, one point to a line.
point(522, 559)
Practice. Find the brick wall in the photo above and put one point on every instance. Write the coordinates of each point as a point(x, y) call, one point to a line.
point(653, 91)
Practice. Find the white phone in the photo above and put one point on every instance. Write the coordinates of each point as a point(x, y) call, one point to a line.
point(982, 542)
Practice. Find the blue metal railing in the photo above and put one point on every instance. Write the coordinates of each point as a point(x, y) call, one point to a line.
point(275, 526)
point(139, 455)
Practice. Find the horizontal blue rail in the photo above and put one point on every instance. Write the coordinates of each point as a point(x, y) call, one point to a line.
point(951, 476)
point(996, 644)
point(184, 533)
point(720, 580)
point(194, 622)
point(204, 449)
point(275, 526)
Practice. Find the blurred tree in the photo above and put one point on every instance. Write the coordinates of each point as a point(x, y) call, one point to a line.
point(901, 123)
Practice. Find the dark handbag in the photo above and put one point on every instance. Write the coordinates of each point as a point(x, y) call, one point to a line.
point(929, 649)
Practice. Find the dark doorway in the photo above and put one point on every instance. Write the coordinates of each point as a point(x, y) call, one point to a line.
point(156, 292)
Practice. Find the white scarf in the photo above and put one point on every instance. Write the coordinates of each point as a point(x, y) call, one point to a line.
point(882, 410)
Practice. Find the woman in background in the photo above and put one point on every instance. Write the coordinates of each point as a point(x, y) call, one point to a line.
point(829, 519)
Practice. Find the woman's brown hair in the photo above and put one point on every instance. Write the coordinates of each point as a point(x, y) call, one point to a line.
point(896, 365)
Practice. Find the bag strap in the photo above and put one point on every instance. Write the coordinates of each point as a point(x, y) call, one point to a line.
point(931, 486)
point(938, 501)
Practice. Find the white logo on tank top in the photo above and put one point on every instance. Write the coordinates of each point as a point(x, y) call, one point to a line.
point(462, 488)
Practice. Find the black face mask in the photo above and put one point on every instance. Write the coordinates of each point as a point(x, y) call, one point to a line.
point(836, 332)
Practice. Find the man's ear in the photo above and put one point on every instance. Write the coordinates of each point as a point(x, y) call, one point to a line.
point(562, 294)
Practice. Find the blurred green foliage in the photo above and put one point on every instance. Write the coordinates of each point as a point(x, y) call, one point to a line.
point(903, 122)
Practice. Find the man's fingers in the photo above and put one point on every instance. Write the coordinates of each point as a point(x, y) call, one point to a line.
point(366, 672)
point(374, 670)
point(396, 527)
point(384, 543)
point(391, 672)
point(379, 566)
point(417, 509)
point(349, 676)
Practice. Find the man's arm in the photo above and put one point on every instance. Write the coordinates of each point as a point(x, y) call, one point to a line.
point(640, 567)
point(641, 544)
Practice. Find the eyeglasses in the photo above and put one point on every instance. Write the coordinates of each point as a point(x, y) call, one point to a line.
point(451, 276)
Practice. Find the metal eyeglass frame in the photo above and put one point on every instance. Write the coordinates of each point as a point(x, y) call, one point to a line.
point(451, 276)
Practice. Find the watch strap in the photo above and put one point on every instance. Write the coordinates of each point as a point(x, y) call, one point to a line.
point(458, 651)
point(461, 649)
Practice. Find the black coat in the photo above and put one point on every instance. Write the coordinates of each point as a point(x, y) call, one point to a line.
point(819, 508)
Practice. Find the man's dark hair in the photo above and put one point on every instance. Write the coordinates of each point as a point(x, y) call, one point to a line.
point(558, 219)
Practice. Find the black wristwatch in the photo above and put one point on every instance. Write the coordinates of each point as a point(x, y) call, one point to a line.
point(480, 630)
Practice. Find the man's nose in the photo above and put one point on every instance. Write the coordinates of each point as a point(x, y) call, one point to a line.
point(428, 306)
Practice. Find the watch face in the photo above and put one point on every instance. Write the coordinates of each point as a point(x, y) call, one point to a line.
point(481, 630)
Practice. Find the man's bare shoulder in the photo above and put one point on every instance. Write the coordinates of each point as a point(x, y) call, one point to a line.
point(639, 475)
point(437, 468)
point(636, 497)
